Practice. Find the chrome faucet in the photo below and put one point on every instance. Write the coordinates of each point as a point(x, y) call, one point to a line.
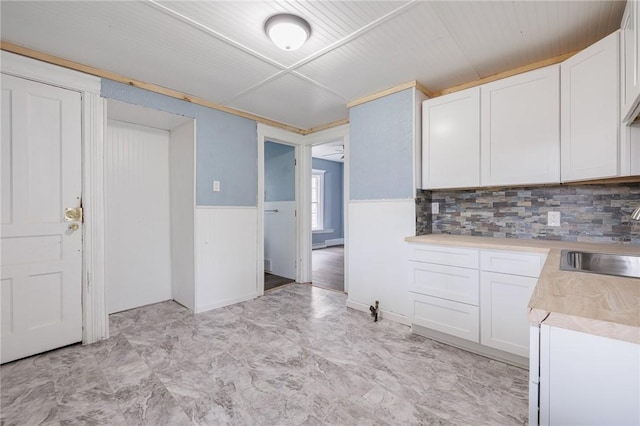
point(636, 214)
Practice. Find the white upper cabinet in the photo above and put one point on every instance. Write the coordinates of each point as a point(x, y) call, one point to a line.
point(520, 122)
point(630, 80)
point(451, 140)
point(589, 111)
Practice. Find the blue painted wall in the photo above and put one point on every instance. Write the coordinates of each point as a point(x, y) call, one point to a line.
point(279, 172)
point(226, 145)
point(381, 148)
point(333, 199)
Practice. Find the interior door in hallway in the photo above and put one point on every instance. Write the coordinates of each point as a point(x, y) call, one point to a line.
point(280, 234)
point(41, 252)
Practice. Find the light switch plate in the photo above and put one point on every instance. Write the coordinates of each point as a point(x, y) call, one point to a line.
point(553, 219)
point(435, 208)
point(216, 186)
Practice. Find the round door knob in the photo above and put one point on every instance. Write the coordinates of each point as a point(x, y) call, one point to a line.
point(74, 227)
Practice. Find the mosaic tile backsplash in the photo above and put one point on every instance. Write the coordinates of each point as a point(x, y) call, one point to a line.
point(589, 213)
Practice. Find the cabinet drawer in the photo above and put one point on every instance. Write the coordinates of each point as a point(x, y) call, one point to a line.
point(447, 282)
point(444, 255)
point(525, 264)
point(454, 318)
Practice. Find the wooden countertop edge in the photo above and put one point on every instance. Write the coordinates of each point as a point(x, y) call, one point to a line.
point(539, 314)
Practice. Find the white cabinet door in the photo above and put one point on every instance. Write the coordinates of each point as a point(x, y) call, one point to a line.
point(590, 122)
point(451, 140)
point(520, 122)
point(41, 255)
point(629, 79)
point(588, 380)
point(503, 311)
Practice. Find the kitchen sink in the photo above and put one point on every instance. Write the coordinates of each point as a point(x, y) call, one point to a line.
point(619, 265)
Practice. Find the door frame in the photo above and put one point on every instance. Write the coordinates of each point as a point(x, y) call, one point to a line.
point(95, 322)
point(330, 135)
point(302, 146)
point(274, 134)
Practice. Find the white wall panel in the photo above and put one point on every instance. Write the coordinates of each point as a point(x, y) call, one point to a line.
point(377, 262)
point(182, 200)
point(280, 237)
point(225, 256)
point(137, 226)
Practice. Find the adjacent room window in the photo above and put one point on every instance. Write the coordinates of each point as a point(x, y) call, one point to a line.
point(317, 200)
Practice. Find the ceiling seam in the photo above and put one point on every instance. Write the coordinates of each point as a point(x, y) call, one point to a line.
point(256, 86)
point(320, 85)
point(281, 74)
point(455, 41)
point(213, 33)
point(354, 35)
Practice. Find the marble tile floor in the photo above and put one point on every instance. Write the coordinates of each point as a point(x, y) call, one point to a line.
point(295, 356)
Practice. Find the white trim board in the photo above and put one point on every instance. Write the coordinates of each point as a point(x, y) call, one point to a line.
point(32, 69)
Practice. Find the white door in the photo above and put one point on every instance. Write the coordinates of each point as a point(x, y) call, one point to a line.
point(41, 252)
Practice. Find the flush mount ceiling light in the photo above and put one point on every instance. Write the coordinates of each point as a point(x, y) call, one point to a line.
point(287, 31)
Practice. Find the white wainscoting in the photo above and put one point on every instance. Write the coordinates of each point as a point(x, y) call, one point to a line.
point(378, 255)
point(226, 257)
point(280, 237)
point(137, 226)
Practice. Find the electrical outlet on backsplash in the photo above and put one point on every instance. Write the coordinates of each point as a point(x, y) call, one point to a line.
point(590, 213)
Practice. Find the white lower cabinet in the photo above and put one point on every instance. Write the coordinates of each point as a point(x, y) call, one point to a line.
point(477, 295)
point(584, 379)
point(507, 281)
point(503, 316)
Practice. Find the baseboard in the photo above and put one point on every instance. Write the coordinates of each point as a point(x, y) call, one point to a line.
point(474, 347)
point(226, 302)
point(381, 315)
point(328, 243)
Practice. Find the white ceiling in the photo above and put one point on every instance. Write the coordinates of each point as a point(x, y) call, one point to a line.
point(332, 151)
point(217, 50)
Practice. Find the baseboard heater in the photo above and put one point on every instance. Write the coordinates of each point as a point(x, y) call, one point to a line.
point(328, 243)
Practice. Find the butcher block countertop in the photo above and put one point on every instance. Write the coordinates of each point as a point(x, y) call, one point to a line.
point(597, 304)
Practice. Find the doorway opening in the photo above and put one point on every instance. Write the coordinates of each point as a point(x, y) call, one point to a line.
point(280, 227)
point(327, 215)
point(149, 207)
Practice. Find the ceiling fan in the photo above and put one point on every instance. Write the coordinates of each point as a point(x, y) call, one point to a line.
point(339, 150)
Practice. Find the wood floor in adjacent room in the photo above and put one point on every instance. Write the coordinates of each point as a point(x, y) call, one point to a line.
point(272, 281)
point(295, 356)
point(328, 268)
